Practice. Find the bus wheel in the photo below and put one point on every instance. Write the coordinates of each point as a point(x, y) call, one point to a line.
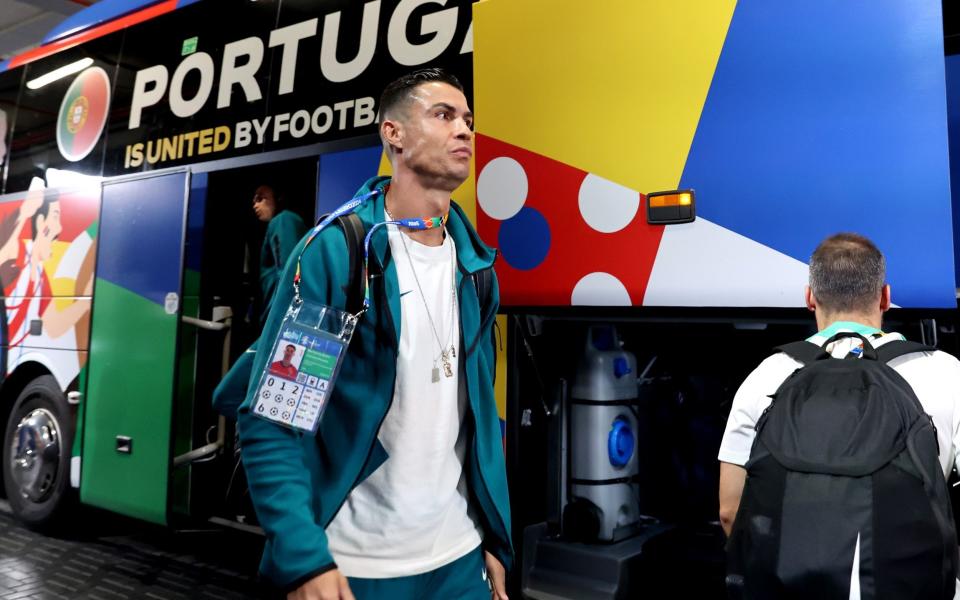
point(36, 454)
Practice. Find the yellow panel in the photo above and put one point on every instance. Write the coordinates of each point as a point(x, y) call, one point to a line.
point(385, 167)
point(59, 286)
point(613, 87)
point(500, 385)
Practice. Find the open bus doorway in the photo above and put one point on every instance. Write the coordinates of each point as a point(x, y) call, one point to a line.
point(229, 247)
point(234, 235)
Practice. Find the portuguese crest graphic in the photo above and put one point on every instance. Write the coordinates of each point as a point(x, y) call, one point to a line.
point(83, 114)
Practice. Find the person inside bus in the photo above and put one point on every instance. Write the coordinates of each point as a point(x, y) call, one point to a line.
point(402, 494)
point(284, 230)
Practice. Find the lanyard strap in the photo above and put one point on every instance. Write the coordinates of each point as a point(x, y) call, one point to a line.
point(346, 208)
point(417, 224)
point(353, 204)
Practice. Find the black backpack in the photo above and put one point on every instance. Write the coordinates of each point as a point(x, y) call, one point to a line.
point(845, 459)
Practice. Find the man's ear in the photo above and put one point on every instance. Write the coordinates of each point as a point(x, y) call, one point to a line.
point(391, 132)
point(885, 298)
point(811, 302)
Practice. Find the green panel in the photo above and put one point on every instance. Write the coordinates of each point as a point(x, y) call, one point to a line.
point(130, 392)
point(191, 283)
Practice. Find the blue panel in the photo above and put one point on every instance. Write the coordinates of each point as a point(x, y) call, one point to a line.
point(828, 116)
point(953, 116)
point(196, 212)
point(340, 175)
point(141, 235)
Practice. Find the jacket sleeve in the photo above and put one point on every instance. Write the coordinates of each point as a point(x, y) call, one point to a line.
point(273, 455)
point(232, 389)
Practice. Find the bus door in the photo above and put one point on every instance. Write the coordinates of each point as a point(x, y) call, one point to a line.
point(126, 452)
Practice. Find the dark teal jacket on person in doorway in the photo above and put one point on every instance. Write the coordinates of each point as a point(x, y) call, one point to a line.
point(283, 232)
point(298, 482)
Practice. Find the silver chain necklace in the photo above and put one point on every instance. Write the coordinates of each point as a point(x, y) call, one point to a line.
point(447, 351)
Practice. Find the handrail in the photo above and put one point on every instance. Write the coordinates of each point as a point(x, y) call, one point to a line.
point(204, 324)
point(222, 317)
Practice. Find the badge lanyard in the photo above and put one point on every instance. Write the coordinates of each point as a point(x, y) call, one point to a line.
point(415, 224)
point(309, 349)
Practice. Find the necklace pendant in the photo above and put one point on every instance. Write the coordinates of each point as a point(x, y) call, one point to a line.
point(435, 375)
point(447, 367)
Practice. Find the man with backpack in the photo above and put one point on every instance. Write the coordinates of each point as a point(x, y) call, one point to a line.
point(835, 455)
point(401, 493)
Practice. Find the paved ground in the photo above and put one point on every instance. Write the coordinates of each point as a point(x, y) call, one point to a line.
point(108, 558)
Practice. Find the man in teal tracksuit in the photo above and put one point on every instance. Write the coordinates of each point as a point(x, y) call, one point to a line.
point(326, 538)
point(284, 228)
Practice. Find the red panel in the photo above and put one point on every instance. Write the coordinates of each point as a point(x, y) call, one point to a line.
point(576, 249)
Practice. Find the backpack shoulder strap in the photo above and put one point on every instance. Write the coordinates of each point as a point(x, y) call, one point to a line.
point(805, 352)
point(354, 232)
point(898, 348)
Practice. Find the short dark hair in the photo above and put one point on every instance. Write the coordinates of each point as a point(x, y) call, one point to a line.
point(847, 273)
point(398, 92)
point(291, 346)
point(279, 195)
point(49, 197)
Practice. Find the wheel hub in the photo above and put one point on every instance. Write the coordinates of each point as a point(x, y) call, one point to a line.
point(35, 454)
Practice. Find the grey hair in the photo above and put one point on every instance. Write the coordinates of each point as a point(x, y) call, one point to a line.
point(847, 273)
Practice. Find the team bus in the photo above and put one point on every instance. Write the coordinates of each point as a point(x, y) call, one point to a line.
point(132, 144)
point(654, 176)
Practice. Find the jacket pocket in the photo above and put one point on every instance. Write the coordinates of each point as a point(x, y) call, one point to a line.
point(378, 456)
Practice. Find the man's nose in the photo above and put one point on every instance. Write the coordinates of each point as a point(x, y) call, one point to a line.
point(463, 130)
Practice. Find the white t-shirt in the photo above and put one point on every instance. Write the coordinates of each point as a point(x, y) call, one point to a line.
point(934, 377)
point(412, 515)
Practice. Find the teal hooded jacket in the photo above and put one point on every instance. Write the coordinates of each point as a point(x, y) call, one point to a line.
point(297, 481)
point(281, 237)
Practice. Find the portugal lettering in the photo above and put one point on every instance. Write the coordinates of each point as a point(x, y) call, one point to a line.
point(243, 59)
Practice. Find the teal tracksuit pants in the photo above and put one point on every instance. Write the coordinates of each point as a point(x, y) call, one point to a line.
point(463, 579)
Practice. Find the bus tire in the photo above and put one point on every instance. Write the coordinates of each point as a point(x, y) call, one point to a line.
point(37, 445)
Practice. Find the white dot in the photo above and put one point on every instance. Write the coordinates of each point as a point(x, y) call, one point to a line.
point(600, 289)
point(607, 206)
point(502, 188)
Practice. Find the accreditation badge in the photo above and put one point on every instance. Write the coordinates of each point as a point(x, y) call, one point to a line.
point(303, 365)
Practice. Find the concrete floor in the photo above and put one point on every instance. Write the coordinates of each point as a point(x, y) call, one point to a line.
point(109, 558)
